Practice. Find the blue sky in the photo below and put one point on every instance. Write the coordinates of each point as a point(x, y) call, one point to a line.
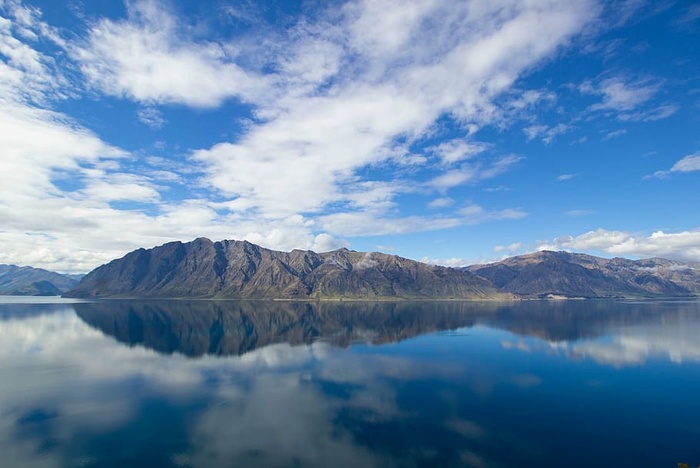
point(450, 132)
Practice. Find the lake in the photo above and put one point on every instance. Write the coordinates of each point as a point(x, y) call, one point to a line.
point(225, 383)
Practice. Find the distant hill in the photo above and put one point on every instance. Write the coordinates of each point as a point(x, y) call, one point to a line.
point(239, 269)
point(566, 274)
point(28, 281)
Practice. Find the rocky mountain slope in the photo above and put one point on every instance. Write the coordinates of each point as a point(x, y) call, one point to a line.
point(28, 281)
point(239, 269)
point(547, 273)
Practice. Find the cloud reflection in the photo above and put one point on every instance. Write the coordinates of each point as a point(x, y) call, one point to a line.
point(668, 332)
point(72, 390)
point(270, 397)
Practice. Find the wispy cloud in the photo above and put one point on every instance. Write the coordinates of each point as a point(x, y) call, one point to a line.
point(690, 18)
point(441, 202)
point(511, 248)
point(545, 133)
point(452, 151)
point(689, 163)
point(578, 213)
point(475, 214)
point(564, 177)
point(470, 173)
point(614, 134)
point(627, 99)
point(151, 117)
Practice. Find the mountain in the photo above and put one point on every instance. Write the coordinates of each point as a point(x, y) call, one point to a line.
point(28, 281)
point(566, 274)
point(239, 269)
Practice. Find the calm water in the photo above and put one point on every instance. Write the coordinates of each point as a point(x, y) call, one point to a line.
point(222, 384)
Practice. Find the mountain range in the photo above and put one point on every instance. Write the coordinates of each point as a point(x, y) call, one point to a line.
point(28, 281)
point(241, 270)
point(548, 274)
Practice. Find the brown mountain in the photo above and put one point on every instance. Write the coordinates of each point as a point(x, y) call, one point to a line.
point(28, 281)
point(239, 269)
point(566, 274)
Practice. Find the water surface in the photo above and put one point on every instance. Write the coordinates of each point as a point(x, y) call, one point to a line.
point(218, 383)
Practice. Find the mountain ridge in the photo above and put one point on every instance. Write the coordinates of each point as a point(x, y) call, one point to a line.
point(566, 274)
point(232, 269)
point(29, 281)
point(241, 270)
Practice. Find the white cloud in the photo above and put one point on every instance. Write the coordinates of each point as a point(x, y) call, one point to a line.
point(526, 100)
point(511, 249)
point(619, 94)
point(342, 96)
point(60, 180)
point(302, 157)
point(564, 177)
point(151, 117)
point(454, 262)
point(474, 214)
point(368, 223)
point(365, 262)
point(499, 188)
point(102, 187)
point(648, 115)
point(684, 245)
point(455, 177)
point(690, 163)
point(26, 75)
point(614, 134)
point(147, 58)
point(578, 213)
point(629, 100)
point(546, 133)
point(534, 131)
point(470, 173)
point(441, 202)
point(452, 151)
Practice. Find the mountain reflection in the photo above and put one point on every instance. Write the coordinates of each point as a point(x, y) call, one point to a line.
point(237, 327)
point(196, 328)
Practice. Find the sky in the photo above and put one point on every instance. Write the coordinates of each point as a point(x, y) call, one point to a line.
point(452, 132)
